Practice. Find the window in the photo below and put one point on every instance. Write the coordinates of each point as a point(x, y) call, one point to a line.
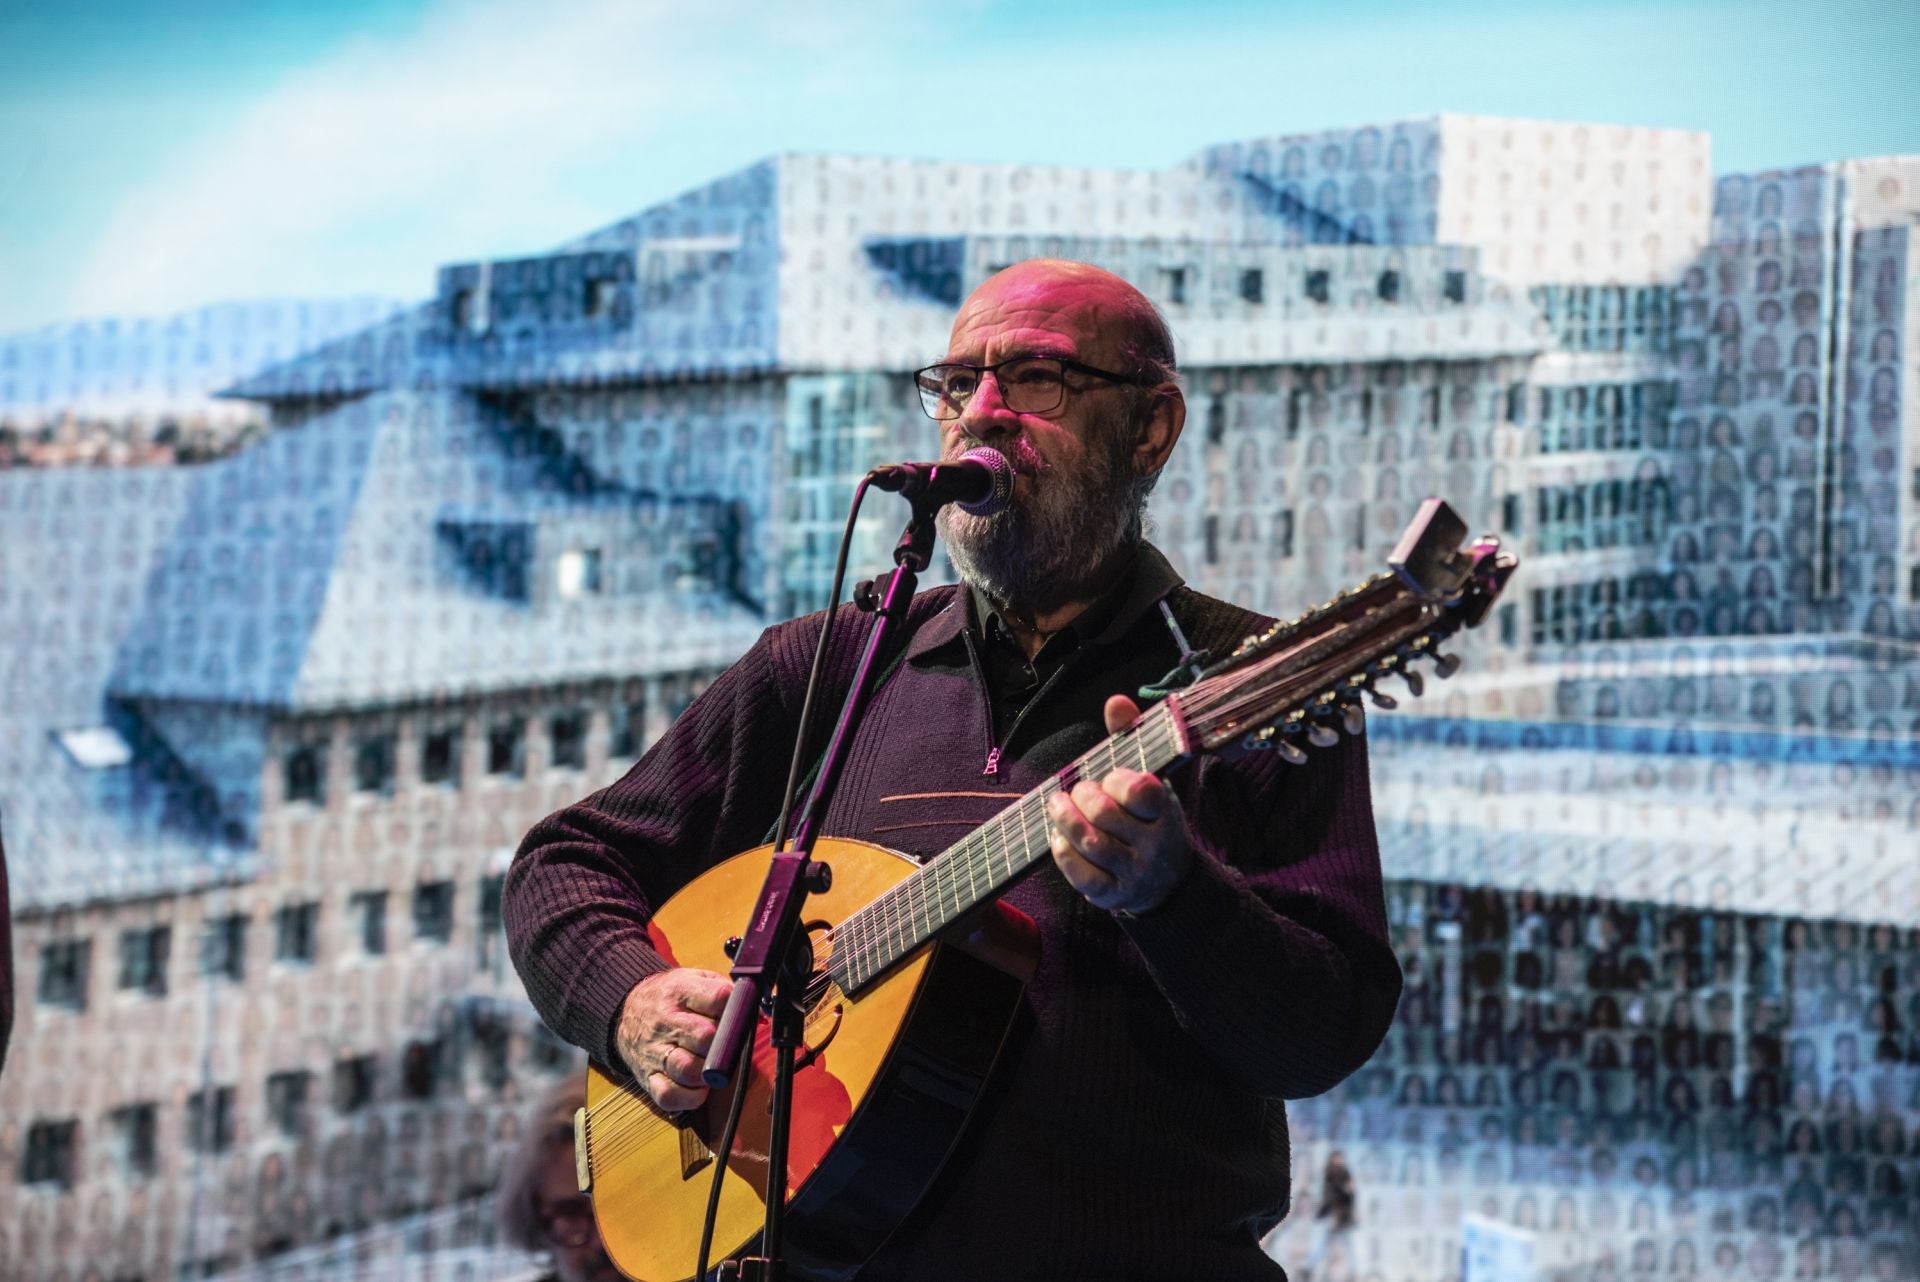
point(1283, 533)
point(1516, 402)
point(433, 911)
point(1388, 287)
point(420, 1070)
point(143, 960)
point(1455, 288)
point(568, 731)
point(296, 932)
point(492, 940)
point(629, 728)
point(1176, 278)
point(287, 1102)
point(373, 765)
point(1510, 516)
point(504, 749)
point(210, 1119)
point(1253, 285)
point(50, 1153)
point(1319, 287)
point(306, 776)
point(96, 748)
point(1216, 421)
point(440, 757)
point(353, 1083)
point(599, 298)
point(577, 573)
point(64, 964)
point(223, 947)
point(133, 1128)
point(369, 909)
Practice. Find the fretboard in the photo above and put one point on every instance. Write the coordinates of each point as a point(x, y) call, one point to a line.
point(988, 859)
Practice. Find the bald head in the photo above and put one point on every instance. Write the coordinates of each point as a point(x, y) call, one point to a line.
point(1106, 308)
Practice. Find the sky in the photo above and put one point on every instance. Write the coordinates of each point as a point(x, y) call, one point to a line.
point(157, 155)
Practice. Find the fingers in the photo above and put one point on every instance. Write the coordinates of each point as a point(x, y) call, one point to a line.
point(1121, 842)
point(673, 1097)
point(666, 1030)
point(1099, 827)
point(1093, 841)
point(1120, 712)
point(1141, 796)
point(1085, 876)
point(706, 993)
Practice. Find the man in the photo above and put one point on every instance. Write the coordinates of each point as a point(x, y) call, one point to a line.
point(1207, 948)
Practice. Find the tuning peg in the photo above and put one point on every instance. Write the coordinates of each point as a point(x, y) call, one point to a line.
point(1290, 752)
point(1445, 665)
point(1415, 682)
point(1322, 736)
point(1381, 699)
point(1352, 720)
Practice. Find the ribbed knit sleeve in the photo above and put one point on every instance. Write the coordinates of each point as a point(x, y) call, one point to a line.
point(586, 879)
point(1273, 953)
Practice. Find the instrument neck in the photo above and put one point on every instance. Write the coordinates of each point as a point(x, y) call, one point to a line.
point(990, 858)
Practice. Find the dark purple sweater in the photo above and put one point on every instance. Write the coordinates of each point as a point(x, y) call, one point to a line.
point(1136, 1129)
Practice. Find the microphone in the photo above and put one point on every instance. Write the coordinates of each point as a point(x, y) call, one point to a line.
point(980, 481)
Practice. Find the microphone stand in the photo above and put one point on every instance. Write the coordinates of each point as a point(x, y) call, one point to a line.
point(773, 960)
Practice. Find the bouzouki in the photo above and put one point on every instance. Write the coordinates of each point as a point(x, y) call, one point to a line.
point(904, 1028)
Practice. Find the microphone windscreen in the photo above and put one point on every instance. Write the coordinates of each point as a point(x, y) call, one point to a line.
point(997, 498)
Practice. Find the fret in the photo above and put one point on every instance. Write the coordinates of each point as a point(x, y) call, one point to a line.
point(992, 855)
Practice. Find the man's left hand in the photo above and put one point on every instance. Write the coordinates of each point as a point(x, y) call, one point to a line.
point(1122, 841)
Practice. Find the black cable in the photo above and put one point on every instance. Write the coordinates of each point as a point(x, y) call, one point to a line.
point(722, 1152)
point(819, 662)
point(742, 1069)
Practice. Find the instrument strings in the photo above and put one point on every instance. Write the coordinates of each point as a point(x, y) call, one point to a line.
point(641, 1120)
point(911, 912)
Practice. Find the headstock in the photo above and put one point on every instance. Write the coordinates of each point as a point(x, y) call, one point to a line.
point(1305, 679)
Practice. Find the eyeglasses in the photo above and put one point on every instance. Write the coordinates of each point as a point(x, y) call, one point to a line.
point(1028, 384)
point(568, 1223)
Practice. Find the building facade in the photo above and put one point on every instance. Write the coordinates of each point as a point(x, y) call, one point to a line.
point(277, 722)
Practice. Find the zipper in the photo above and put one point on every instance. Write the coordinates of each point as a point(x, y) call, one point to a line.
point(994, 750)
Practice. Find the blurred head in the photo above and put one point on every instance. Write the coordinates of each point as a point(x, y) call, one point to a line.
point(541, 1205)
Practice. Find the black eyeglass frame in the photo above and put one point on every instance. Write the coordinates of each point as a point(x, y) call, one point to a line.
point(931, 401)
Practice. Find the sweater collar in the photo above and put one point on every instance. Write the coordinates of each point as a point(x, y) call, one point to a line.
point(1153, 577)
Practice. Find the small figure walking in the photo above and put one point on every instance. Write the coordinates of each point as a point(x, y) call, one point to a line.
point(1335, 1215)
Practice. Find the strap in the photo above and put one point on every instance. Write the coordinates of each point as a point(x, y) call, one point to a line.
point(1184, 673)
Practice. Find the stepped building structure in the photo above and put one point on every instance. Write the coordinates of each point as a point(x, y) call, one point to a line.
point(275, 724)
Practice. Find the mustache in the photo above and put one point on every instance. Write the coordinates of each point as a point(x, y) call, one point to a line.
point(1018, 450)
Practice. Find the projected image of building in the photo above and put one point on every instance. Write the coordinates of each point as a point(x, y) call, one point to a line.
point(276, 722)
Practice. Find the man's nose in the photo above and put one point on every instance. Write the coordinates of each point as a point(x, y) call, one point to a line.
point(986, 414)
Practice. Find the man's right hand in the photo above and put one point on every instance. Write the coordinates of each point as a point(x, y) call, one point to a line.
point(666, 1027)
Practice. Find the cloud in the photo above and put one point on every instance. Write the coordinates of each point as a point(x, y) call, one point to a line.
point(494, 128)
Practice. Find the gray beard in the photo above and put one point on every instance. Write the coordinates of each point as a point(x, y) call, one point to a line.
point(1047, 550)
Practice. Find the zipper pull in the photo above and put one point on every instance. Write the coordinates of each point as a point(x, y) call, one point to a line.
point(993, 763)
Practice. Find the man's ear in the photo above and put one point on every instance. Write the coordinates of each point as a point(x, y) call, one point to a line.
point(1166, 416)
